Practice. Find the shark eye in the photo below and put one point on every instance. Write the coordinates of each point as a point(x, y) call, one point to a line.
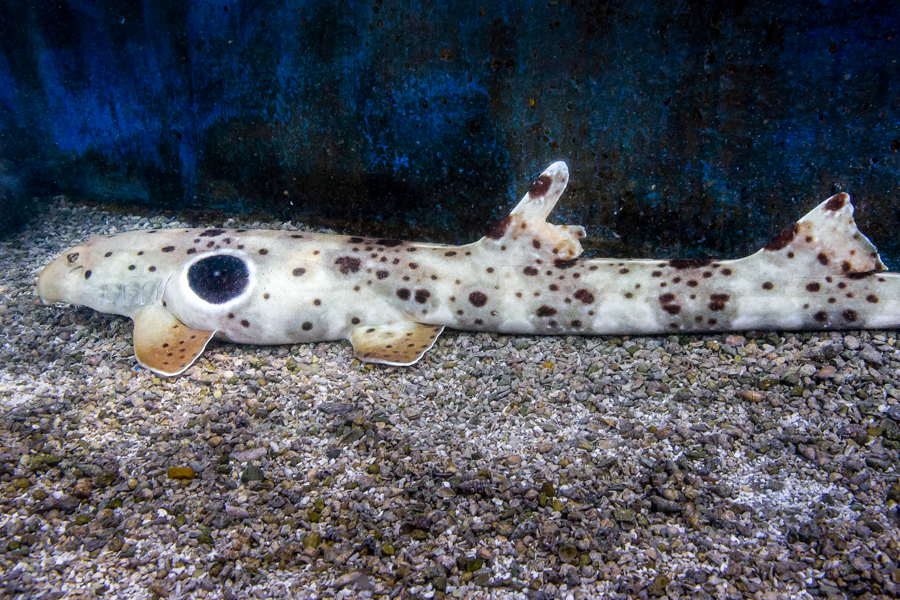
point(218, 279)
point(72, 257)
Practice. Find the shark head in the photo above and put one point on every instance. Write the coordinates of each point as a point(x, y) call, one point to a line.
point(104, 273)
point(69, 278)
point(129, 274)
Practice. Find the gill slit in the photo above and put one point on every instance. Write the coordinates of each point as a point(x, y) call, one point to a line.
point(160, 291)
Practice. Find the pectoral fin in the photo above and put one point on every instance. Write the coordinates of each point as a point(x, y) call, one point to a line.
point(164, 344)
point(399, 344)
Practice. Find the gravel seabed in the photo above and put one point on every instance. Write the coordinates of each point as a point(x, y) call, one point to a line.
point(760, 465)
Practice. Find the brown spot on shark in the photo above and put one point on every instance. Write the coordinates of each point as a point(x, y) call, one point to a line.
point(689, 263)
point(540, 186)
point(499, 229)
point(347, 264)
point(545, 311)
point(859, 275)
point(478, 299)
point(783, 239)
point(836, 202)
point(584, 296)
point(717, 301)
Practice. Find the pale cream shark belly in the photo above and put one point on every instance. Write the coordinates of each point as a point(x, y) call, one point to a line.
point(391, 299)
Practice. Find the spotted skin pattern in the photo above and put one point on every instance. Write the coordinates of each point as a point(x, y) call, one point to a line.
point(392, 298)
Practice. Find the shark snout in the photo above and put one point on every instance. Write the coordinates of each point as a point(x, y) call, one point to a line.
point(53, 282)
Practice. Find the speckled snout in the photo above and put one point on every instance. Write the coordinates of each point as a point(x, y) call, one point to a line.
point(55, 279)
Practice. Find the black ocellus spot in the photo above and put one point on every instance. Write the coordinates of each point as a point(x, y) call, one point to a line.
point(218, 279)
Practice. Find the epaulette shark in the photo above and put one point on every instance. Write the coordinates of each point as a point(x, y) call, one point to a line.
point(391, 299)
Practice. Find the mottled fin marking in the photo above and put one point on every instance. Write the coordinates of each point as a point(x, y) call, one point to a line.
point(835, 229)
point(400, 344)
point(164, 344)
point(527, 225)
point(827, 236)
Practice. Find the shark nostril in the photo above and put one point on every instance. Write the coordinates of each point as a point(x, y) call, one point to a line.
point(87, 274)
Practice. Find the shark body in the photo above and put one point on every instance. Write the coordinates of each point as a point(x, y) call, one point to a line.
point(392, 299)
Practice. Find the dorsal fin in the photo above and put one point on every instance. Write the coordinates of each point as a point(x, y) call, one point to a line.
point(527, 224)
point(826, 237)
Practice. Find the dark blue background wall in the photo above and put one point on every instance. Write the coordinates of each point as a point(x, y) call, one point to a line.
point(689, 127)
